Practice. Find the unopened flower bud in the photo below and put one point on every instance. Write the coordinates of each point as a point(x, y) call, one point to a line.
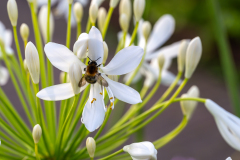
point(12, 12)
point(70, 1)
point(229, 158)
point(193, 55)
point(138, 8)
point(113, 3)
point(182, 55)
point(42, 18)
point(161, 60)
point(25, 65)
point(123, 20)
point(93, 12)
point(102, 14)
point(36, 133)
point(125, 7)
point(75, 75)
point(33, 64)
point(105, 56)
point(24, 31)
point(91, 146)
point(146, 29)
point(188, 107)
point(62, 77)
point(78, 11)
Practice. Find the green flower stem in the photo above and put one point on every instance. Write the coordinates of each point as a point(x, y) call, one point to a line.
point(105, 27)
point(134, 33)
point(170, 89)
point(62, 114)
point(121, 42)
point(138, 67)
point(48, 21)
point(144, 91)
point(39, 45)
point(227, 62)
point(17, 120)
point(79, 30)
point(88, 25)
point(112, 155)
point(18, 51)
point(18, 90)
point(36, 151)
point(45, 135)
point(135, 108)
point(170, 136)
point(69, 26)
point(104, 123)
point(65, 123)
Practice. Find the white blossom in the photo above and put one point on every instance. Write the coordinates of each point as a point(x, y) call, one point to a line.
point(6, 39)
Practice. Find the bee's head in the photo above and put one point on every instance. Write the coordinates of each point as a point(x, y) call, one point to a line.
point(93, 62)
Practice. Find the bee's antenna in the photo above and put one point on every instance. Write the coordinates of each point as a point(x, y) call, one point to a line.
point(90, 58)
point(98, 59)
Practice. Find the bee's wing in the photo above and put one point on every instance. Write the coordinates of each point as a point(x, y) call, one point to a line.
point(82, 82)
point(102, 81)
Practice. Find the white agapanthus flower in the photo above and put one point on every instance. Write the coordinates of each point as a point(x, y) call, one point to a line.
point(141, 151)
point(162, 31)
point(227, 123)
point(4, 75)
point(124, 62)
point(6, 39)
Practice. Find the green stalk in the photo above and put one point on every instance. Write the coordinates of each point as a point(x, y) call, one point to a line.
point(134, 34)
point(121, 42)
point(79, 30)
point(69, 26)
point(227, 62)
point(170, 136)
point(105, 27)
point(18, 50)
point(112, 155)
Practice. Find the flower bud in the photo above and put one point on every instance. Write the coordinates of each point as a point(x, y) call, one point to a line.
point(75, 75)
point(193, 55)
point(188, 107)
point(113, 3)
point(123, 20)
point(102, 14)
point(42, 18)
point(182, 55)
point(105, 56)
point(25, 65)
point(33, 64)
point(36, 133)
point(146, 29)
point(62, 77)
point(138, 8)
point(93, 12)
point(141, 150)
point(70, 1)
point(12, 12)
point(24, 31)
point(91, 146)
point(125, 7)
point(161, 60)
point(78, 11)
point(229, 158)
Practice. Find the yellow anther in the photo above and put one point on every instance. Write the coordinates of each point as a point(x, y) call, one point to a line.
point(111, 104)
point(94, 99)
point(101, 93)
point(111, 98)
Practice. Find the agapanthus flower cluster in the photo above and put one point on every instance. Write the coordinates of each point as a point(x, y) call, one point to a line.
point(89, 89)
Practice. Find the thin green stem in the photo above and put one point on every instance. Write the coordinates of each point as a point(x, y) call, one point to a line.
point(227, 62)
point(121, 42)
point(69, 26)
point(36, 151)
point(134, 34)
point(105, 27)
point(112, 155)
point(88, 25)
point(79, 30)
point(170, 136)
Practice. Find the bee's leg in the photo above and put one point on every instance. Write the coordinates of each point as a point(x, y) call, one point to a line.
point(99, 65)
point(85, 69)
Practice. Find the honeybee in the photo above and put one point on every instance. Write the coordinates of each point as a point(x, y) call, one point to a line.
point(92, 75)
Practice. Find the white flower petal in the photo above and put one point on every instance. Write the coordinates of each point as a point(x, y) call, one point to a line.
point(58, 92)
point(4, 75)
point(137, 77)
point(95, 45)
point(124, 61)
point(123, 92)
point(61, 57)
point(94, 112)
point(128, 38)
point(162, 30)
point(8, 38)
point(141, 39)
point(170, 51)
point(80, 46)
